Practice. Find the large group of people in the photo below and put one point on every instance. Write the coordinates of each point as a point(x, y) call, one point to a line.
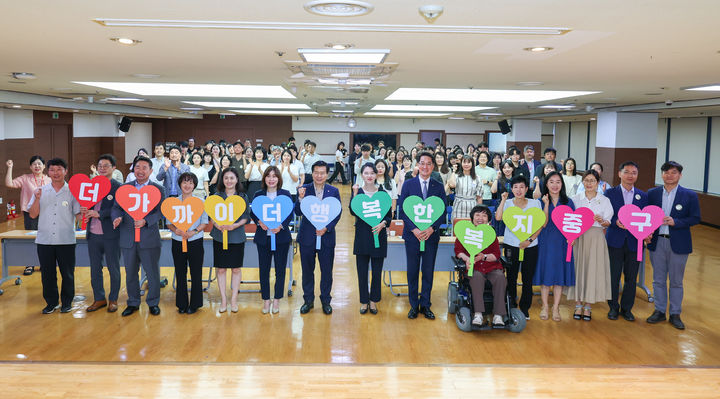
point(479, 186)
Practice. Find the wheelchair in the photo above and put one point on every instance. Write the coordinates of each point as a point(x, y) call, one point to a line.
point(460, 303)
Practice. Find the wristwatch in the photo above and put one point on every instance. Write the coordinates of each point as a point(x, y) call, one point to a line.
point(484, 257)
point(530, 239)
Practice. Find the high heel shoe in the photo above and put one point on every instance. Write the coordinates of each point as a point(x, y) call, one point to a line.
point(544, 313)
point(234, 308)
point(266, 307)
point(371, 309)
point(587, 313)
point(275, 308)
point(556, 313)
point(222, 309)
point(578, 312)
point(363, 309)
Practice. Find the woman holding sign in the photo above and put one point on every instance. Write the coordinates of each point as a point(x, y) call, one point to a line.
point(232, 257)
point(553, 269)
point(514, 248)
point(369, 224)
point(271, 182)
point(194, 254)
point(592, 261)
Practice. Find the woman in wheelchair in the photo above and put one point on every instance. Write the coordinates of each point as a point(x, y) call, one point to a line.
point(487, 266)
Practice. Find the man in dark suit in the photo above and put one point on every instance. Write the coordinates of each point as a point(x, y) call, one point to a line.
point(306, 239)
point(622, 246)
point(423, 186)
point(671, 243)
point(528, 165)
point(147, 251)
point(102, 239)
point(549, 154)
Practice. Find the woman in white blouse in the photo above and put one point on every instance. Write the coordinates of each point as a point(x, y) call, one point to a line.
point(592, 262)
point(383, 179)
point(290, 174)
point(254, 172)
point(571, 178)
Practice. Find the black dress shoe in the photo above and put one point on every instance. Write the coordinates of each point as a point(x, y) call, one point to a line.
point(627, 315)
point(191, 310)
point(182, 310)
point(373, 311)
point(413, 313)
point(306, 307)
point(129, 310)
point(154, 310)
point(613, 314)
point(676, 322)
point(364, 309)
point(327, 309)
point(427, 312)
point(65, 309)
point(656, 317)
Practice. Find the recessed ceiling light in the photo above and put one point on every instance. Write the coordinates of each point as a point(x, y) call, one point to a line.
point(222, 104)
point(339, 46)
point(557, 106)
point(710, 87)
point(124, 99)
point(537, 49)
point(191, 109)
point(592, 119)
point(343, 111)
point(17, 106)
point(560, 120)
point(278, 112)
point(339, 8)
point(482, 95)
point(349, 56)
point(405, 114)
point(326, 27)
point(431, 108)
point(126, 41)
point(194, 90)
point(76, 110)
point(353, 82)
point(145, 75)
point(455, 117)
point(490, 114)
point(530, 83)
point(24, 75)
point(117, 113)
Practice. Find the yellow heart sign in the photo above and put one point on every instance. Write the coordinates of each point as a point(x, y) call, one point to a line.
point(224, 212)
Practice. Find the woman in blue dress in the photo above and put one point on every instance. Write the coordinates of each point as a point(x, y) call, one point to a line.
point(552, 270)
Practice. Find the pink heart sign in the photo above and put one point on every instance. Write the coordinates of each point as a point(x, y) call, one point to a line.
point(572, 224)
point(641, 223)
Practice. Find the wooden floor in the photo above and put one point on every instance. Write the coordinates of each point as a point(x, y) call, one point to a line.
point(259, 352)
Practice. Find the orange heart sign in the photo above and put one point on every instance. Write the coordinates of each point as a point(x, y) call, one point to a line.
point(182, 214)
point(225, 212)
point(137, 203)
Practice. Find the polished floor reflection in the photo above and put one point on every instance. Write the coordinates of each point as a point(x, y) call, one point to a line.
point(348, 338)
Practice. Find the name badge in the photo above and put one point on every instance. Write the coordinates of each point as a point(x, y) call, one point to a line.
point(678, 207)
point(637, 197)
point(65, 203)
point(110, 197)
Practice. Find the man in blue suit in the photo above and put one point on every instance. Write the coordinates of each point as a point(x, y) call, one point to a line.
point(622, 246)
point(306, 239)
point(422, 186)
point(102, 239)
point(145, 252)
point(671, 243)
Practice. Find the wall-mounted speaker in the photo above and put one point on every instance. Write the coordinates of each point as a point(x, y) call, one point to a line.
point(504, 126)
point(124, 124)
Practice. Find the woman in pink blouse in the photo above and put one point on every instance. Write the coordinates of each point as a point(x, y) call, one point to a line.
point(27, 184)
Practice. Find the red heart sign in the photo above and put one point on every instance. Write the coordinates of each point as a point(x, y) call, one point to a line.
point(137, 203)
point(89, 192)
point(572, 224)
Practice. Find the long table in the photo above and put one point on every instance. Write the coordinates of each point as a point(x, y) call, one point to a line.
point(18, 249)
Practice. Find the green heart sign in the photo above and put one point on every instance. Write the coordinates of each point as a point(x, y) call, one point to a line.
point(373, 209)
point(474, 238)
point(423, 213)
point(523, 223)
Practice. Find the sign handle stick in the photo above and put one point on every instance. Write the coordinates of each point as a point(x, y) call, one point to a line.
point(422, 246)
point(225, 240)
point(521, 257)
point(568, 256)
point(184, 245)
point(137, 234)
point(377, 240)
point(318, 242)
point(272, 241)
point(639, 251)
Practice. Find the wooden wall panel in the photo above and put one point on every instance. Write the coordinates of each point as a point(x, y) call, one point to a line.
point(20, 151)
point(521, 144)
point(611, 158)
point(270, 129)
point(709, 209)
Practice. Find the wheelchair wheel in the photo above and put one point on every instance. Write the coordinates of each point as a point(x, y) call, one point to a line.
point(452, 297)
point(463, 319)
point(516, 320)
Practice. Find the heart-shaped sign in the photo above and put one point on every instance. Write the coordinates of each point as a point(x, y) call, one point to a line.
point(423, 213)
point(225, 212)
point(137, 203)
point(320, 213)
point(88, 192)
point(641, 223)
point(272, 212)
point(182, 214)
point(523, 224)
point(474, 238)
point(572, 224)
point(372, 210)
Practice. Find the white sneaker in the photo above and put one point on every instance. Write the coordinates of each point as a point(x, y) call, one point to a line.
point(498, 320)
point(477, 319)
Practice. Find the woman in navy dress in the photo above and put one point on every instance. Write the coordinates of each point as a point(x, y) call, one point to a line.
point(552, 270)
point(364, 246)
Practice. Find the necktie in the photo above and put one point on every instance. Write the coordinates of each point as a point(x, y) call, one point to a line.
point(424, 189)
